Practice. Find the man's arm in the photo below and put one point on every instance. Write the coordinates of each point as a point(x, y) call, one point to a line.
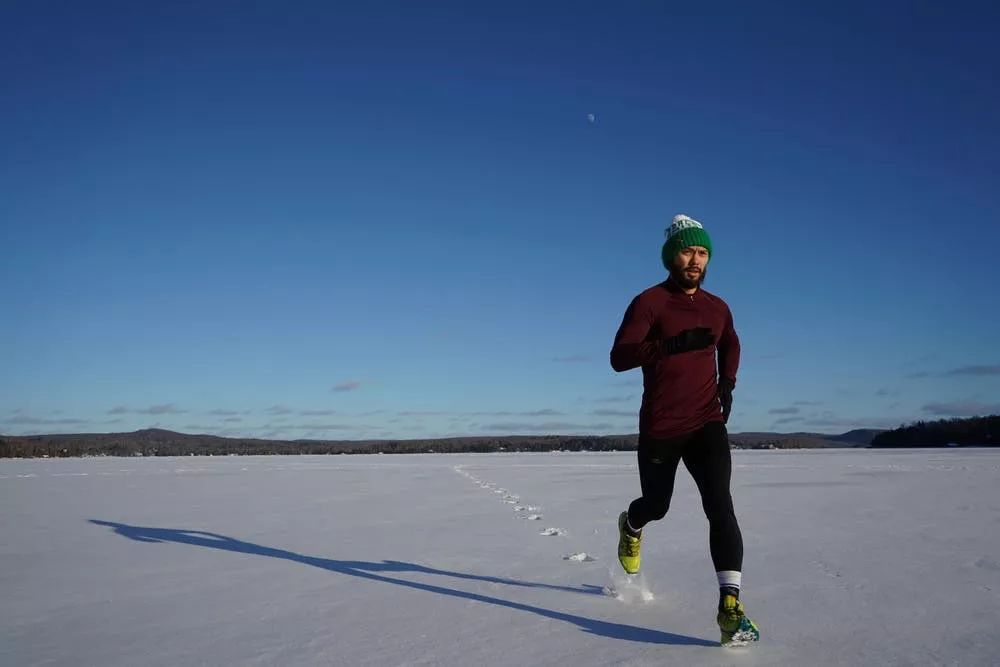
point(729, 351)
point(631, 349)
point(729, 362)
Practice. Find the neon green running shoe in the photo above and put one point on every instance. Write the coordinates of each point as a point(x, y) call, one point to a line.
point(737, 629)
point(628, 546)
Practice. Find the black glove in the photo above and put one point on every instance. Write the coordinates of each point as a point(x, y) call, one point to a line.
point(726, 397)
point(689, 340)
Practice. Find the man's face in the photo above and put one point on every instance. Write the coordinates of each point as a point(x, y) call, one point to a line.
point(689, 266)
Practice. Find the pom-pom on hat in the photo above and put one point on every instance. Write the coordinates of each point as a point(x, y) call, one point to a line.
point(682, 233)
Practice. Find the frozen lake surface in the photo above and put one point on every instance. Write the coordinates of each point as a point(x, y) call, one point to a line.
point(852, 558)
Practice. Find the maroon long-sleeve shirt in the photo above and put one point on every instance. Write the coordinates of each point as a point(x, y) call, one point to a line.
point(680, 391)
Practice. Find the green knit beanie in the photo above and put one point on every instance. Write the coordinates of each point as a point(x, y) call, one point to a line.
point(684, 232)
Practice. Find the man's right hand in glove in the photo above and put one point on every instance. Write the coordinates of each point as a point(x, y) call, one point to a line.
point(689, 340)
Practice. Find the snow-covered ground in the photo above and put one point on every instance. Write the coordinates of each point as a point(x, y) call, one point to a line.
point(852, 558)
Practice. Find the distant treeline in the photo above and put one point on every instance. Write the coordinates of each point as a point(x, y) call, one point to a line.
point(158, 442)
point(974, 431)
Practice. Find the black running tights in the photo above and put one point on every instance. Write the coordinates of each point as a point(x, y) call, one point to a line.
point(705, 453)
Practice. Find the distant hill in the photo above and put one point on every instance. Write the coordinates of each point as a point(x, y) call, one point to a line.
point(161, 442)
point(803, 440)
point(859, 436)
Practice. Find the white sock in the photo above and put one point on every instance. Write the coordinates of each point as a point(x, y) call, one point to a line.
point(730, 578)
point(629, 524)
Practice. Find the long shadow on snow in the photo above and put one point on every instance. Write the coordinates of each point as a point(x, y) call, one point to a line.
point(367, 570)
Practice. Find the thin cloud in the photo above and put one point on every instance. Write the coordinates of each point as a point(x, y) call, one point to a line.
point(347, 385)
point(317, 413)
point(808, 403)
point(922, 360)
point(987, 369)
point(278, 410)
point(604, 412)
point(829, 421)
point(615, 399)
point(26, 420)
point(975, 370)
point(411, 428)
point(784, 411)
point(232, 420)
point(788, 420)
point(161, 409)
point(224, 413)
point(526, 427)
point(961, 409)
point(544, 412)
point(573, 359)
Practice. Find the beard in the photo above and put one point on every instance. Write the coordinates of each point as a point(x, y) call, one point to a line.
point(688, 283)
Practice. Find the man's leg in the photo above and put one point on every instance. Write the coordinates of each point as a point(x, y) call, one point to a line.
point(658, 461)
point(708, 460)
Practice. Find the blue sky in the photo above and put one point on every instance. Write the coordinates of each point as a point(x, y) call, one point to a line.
point(384, 220)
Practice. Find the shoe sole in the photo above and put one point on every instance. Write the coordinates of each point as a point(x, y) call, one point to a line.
point(737, 641)
point(742, 638)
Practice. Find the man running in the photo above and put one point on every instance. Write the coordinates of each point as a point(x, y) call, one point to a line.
point(673, 330)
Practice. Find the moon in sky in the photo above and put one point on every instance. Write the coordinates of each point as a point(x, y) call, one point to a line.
point(591, 118)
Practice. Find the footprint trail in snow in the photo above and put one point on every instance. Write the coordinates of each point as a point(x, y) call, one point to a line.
point(523, 511)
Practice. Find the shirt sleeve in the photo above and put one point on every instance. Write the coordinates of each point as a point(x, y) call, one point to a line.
point(632, 348)
point(729, 350)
